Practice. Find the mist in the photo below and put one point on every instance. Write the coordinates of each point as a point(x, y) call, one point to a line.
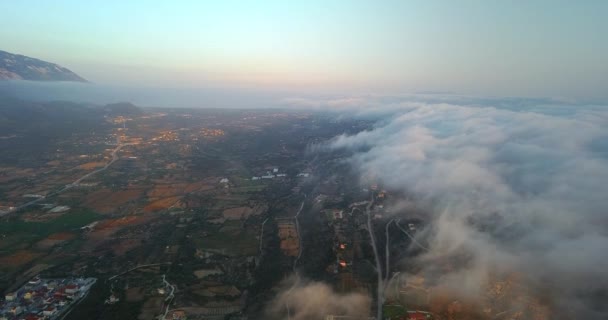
point(308, 300)
point(147, 96)
point(513, 191)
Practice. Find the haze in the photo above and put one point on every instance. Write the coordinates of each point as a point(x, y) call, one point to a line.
point(539, 48)
point(419, 160)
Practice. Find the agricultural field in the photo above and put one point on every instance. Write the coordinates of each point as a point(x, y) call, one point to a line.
point(106, 201)
point(231, 238)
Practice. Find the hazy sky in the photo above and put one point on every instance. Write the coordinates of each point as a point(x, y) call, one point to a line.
point(523, 48)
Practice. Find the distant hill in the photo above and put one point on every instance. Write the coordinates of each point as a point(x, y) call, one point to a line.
point(122, 109)
point(19, 67)
point(27, 117)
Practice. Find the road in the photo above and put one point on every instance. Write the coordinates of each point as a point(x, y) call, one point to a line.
point(262, 235)
point(169, 298)
point(137, 267)
point(114, 158)
point(295, 262)
point(387, 249)
point(372, 237)
point(414, 241)
point(75, 183)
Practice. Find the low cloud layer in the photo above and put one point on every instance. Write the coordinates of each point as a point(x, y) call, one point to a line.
point(516, 188)
point(316, 300)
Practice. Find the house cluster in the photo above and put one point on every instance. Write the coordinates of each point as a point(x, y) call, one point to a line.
point(43, 299)
point(270, 175)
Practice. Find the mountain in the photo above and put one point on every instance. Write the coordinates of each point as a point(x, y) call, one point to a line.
point(19, 67)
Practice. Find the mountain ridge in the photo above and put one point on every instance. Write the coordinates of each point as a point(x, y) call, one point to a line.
point(21, 67)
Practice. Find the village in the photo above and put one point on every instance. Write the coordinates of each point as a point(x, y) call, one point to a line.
point(44, 299)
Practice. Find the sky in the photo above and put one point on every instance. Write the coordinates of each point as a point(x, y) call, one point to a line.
point(507, 48)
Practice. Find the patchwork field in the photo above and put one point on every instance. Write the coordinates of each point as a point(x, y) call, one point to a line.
point(290, 243)
point(17, 259)
point(91, 165)
point(55, 239)
point(231, 239)
point(163, 204)
point(107, 201)
point(243, 212)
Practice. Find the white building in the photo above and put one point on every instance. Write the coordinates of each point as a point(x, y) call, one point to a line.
point(49, 311)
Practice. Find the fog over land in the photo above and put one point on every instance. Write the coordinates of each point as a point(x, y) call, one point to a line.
point(516, 189)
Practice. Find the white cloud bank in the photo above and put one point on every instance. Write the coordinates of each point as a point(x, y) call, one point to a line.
point(521, 187)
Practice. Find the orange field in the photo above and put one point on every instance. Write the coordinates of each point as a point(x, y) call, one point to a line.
point(115, 223)
point(124, 246)
point(290, 243)
point(107, 201)
point(173, 189)
point(61, 236)
point(163, 204)
point(91, 165)
point(18, 258)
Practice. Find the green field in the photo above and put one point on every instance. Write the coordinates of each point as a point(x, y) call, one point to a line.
point(393, 311)
point(17, 233)
point(76, 218)
point(233, 239)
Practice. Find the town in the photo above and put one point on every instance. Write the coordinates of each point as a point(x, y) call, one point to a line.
point(203, 214)
point(42, 299)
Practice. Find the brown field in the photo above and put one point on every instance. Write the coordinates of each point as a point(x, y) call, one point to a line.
point(151, 308)
point(108, 227)
point(135, 294)
point(120, 222)
point(107, 201)
point(237, 213)
point(243, 212)
point(163, 204)
point(62, 236)
point(290, 247)
point(18, 258)
point(124, 246)
point(55, 239)
point(91, 165)
point(165, 190)
point(290, 244)
point(40, 216)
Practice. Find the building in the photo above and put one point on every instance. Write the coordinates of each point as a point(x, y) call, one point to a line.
point(179, 315)
point(49, 311)
point(416, 315)
point(71, 289)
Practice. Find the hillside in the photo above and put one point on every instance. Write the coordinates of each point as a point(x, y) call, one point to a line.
point(19, 67)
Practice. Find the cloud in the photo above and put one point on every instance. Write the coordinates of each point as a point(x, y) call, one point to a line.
point(316, 300)
point(519, 187)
